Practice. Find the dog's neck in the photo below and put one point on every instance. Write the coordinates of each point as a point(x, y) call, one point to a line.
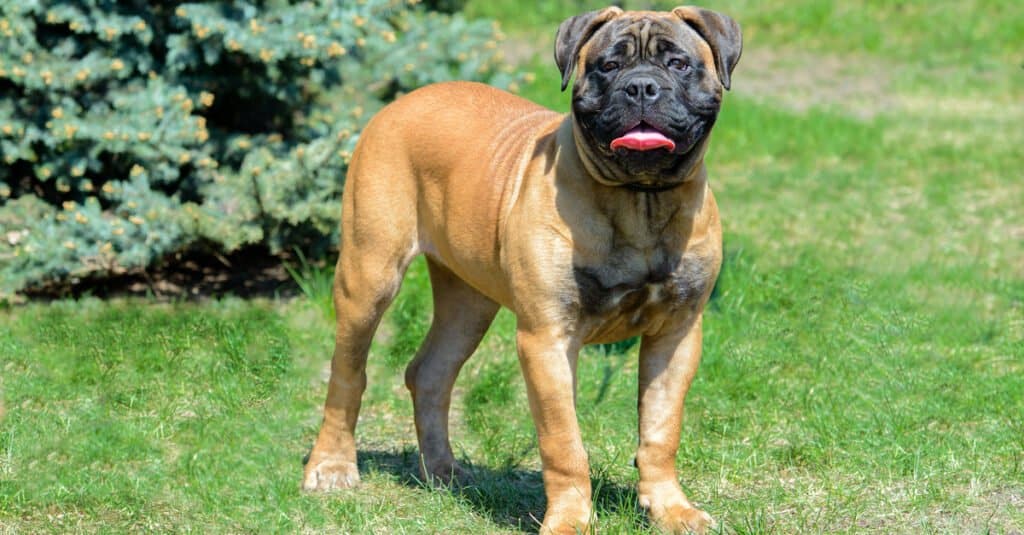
point(652, 210)
point(690, 184)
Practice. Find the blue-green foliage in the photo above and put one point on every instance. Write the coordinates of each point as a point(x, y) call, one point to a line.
point(131, 130)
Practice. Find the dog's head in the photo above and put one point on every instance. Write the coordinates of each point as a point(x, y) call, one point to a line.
point(648, 88)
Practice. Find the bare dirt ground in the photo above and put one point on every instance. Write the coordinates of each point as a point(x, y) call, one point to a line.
point(196, 276)
point(861, 87)
point(800, 80)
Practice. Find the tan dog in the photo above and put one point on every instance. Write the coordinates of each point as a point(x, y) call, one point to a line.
point(591, 227)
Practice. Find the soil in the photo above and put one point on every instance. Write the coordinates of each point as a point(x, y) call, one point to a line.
point(196, 276)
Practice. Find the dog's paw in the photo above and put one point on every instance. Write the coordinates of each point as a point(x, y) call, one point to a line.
point(670, 511)
point(680, 519)
point(567, 518)
point(446, 475)
point(330, 474)
point(560, 527)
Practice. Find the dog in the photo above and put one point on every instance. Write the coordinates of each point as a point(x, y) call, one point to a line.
point(591, 227)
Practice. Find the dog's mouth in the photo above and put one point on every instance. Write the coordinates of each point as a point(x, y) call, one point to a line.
point(643, 137)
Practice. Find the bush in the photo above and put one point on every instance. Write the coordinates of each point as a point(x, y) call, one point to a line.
point(129, 131)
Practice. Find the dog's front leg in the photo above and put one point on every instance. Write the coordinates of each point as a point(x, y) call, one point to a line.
point(667, 366)
point(548, 359)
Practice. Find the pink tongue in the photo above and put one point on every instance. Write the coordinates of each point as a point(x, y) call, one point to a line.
point(643, 138)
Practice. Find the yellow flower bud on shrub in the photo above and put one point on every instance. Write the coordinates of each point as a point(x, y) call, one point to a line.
point(334, 50)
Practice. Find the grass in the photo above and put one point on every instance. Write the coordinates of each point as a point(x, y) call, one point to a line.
point(864, 351)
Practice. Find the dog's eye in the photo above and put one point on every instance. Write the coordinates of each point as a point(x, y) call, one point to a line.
point(609, 66)
point(678, 64)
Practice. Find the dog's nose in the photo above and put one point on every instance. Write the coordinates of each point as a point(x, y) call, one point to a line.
point(643, 89)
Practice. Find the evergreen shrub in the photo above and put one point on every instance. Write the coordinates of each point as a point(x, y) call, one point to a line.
point(131, 130)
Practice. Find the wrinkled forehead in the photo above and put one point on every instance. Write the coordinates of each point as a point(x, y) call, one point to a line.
point(647, 35)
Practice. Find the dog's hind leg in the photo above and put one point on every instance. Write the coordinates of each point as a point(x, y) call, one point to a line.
point(461, 317)
point(361, 295)
point(378, 241)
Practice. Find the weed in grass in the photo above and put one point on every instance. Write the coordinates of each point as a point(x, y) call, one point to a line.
point(316, 282)
point(410, 316)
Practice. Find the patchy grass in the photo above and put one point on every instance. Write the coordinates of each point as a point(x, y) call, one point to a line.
point(864, 350)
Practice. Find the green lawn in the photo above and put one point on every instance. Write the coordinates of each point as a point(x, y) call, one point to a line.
point(864, 349)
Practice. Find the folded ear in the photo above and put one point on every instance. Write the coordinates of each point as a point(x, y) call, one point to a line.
point(721, 33)
point(573, 33)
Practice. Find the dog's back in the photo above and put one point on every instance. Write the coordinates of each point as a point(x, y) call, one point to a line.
point(405, 155)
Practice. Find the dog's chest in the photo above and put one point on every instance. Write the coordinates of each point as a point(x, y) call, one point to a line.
point(624, 296)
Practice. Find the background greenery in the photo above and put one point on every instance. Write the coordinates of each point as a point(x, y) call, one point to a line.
point(864, 351)
point(132, 131)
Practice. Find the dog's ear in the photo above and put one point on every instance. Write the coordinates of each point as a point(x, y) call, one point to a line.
point(573, 33)
point(721, 33)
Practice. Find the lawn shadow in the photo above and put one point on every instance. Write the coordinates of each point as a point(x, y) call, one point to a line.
point(512, 497)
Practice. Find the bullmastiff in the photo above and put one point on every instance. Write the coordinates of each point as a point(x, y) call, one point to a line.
point(591, 227)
